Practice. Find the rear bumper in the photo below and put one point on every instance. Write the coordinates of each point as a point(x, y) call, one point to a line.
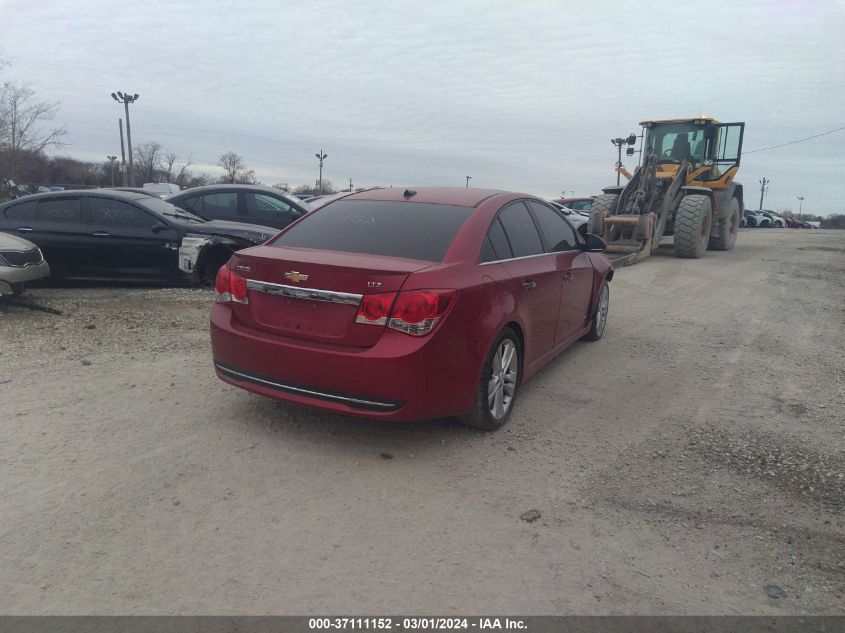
point(13, 275)
point(401, 378)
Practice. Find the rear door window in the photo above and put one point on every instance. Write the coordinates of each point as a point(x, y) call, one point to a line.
point(59, 210)
point(521, 231)
point(409, 230)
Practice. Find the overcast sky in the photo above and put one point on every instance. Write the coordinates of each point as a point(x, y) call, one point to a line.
point(519, 95)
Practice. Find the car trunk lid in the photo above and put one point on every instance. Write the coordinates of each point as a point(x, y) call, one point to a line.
point(314, 295)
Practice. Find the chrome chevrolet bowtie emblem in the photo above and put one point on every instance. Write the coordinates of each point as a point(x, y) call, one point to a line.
point(296, 276)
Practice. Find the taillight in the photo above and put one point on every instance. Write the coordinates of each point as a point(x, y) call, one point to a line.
point(229, 286)
point(415, 312)
point(374, 309)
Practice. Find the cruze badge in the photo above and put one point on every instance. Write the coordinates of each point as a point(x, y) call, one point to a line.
point(373, 284)
point(296, 276)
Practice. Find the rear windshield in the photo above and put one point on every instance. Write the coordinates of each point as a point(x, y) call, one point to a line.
point(393, 228)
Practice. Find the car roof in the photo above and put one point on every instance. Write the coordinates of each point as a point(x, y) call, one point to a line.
point(203, 188)
point(456, 196)
point(75, 193)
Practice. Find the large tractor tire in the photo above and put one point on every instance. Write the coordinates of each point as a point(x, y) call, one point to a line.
point(692, 226)
point(727, 229)
point(603, 204)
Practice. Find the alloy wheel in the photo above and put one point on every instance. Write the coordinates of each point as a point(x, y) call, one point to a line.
point(503, 375)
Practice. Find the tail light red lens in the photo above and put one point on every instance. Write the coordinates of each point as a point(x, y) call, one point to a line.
point(415, 312)
point(229, 286)
point(418, 311)
point(375, 309)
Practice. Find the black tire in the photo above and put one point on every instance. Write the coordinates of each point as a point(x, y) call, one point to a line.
point(212, 262)
point(728, 227)
point(750, 222)
point(481, 416)
point(599, 314)
point(692, 226)
point(605, 203)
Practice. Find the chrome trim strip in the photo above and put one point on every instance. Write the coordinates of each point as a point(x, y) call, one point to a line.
point(310, 294)
point(307, 392)
point(513, 259)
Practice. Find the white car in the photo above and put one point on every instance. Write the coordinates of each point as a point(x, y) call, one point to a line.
point(755, 218)
point(20, 262)
point(576, 219)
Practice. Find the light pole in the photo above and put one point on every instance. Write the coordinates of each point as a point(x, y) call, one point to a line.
point(126, 99)
point(631, 139)
point(800, 205)
point(123, 174)
point(468, 179)
point(764, 187)
point(111, 167)
point(322, 157)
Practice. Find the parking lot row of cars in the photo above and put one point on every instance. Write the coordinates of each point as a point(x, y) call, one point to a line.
point(146, 234)
point(767, 219)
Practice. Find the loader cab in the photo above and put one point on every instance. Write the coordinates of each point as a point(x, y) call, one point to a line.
point(701, 142)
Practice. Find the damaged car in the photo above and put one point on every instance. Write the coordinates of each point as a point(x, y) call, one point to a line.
point(108, 235)
point(20, 262)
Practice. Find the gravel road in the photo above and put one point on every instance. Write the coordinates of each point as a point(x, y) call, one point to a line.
point(687, 463)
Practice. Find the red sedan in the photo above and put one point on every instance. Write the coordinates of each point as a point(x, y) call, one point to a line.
point(409, 305)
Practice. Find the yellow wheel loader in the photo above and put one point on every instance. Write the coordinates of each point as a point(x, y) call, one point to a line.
point(684, 188)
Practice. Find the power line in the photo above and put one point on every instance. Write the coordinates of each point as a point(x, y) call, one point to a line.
point(800, 140)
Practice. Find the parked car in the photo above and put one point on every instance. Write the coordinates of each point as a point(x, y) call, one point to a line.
point(164, 188)
point(410, 304)
point(106, 234)
point(756, 218)
point(576, 219)
point(577, 204)
point(242, 203)
point(141, 190)
point(20, 262)
point(778, 221)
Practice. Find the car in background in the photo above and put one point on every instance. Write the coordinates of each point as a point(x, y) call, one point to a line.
point(778, 221)
point(578, 220)
point(141, 190)
point(410, 304)
point(104, 234)
point(242, 203)
point(756, 219)
point(163, 188)
point(21, 261)
point(577, 204)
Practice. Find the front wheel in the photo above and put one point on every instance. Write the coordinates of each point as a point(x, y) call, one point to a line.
point(498, 384)
point(599, 314)
point(692, 226)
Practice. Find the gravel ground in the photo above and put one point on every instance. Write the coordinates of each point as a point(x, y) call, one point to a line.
point(690, 462)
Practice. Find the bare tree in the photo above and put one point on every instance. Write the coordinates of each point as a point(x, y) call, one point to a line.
point(147, 160)
point(184, 175)
point(22, 117)
point(236, 171)
point(167, 164)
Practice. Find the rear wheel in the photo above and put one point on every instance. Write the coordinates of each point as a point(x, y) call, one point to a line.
point(212, 262)
point(603, 204)
point(727, 228)
point(498, 384)
point(692, 226)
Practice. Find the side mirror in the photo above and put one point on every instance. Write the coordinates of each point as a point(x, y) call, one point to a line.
point(159, 226)
point(595, 244)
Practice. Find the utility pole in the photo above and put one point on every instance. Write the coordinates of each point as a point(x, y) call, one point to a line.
point(126, 99)
point(111, 167)
point(800, 205)
point(322, 157)
point(468, 179)
point(122, 155)
point(350, 184)
point(764, 187)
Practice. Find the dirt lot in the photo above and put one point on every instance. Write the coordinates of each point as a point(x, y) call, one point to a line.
point(683, 464)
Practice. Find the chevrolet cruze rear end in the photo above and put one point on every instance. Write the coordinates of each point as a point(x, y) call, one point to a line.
point(375, 305)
